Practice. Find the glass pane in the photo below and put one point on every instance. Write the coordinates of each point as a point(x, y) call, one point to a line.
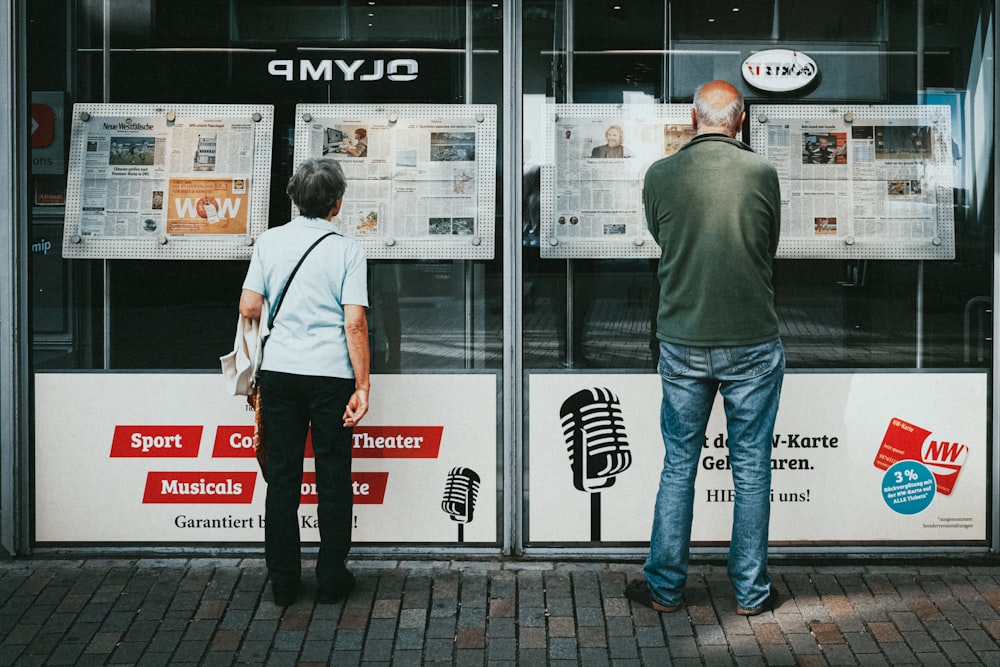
point(723, 19)
point(180, 314)
point(835, 313)
point(607, 321)
point(847, 21)
point(602, 25)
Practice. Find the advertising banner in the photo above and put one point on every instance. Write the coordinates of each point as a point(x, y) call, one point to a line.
point(207, 206)
point(864, 458)
point(157, 458)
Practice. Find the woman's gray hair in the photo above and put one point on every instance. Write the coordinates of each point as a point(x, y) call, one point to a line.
point(709, 112)
point(316, 186)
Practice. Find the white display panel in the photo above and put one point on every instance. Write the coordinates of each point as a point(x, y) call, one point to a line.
point(858, 458)
point(861, 182)
point(168, 458)
point(421, 179)
point(167, 181)
point(591, 195)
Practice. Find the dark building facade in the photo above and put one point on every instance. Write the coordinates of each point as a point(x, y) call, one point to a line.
point(149, 143)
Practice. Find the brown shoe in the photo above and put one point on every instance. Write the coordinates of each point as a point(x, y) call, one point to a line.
point(637, 591)
point(767, 605)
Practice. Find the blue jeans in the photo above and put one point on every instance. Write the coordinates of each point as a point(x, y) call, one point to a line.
point(749, 378)
point(291, 403)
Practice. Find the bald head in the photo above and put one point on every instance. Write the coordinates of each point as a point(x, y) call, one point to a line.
point(718, 108)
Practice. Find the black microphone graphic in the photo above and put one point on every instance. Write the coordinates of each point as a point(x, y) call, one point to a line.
point(598, 447)
point(460, 491)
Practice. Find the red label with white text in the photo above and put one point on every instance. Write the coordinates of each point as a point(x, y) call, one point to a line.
point(368, 488)
point(205, 488)
point(156, 442)
point(233, 442)
point(367, 442)
point(905, 442)
point(396, 442)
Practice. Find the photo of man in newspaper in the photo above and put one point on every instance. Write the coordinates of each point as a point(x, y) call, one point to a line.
point(824, 148)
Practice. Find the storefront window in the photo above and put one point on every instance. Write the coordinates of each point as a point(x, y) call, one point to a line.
point(139, 314)
point(882, 283)
point(883, 279)
point(174, 130)
point(837, 313)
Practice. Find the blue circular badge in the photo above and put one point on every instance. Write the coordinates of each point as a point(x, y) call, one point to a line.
point(908, 487)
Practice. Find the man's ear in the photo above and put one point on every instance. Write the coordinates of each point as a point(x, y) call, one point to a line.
point(694, 120)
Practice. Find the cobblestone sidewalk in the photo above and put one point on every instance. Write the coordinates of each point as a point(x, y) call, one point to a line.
point(183, 611)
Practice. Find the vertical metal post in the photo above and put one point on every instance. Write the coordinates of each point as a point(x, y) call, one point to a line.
point(14, 331)
point(569, 46)
point(920, 263)
point(467, 267)
point(106, 98)
point(513, 365)
point(994, 50)
point(665, 63)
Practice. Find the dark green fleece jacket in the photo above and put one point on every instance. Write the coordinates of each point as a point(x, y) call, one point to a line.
point(714, 208)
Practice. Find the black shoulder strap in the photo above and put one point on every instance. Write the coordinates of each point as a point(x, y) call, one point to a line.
point(284, 290)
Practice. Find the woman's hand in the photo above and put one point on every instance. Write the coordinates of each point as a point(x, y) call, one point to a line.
point(357, 407)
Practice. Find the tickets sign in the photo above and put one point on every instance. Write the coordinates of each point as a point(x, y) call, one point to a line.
point(171, 470)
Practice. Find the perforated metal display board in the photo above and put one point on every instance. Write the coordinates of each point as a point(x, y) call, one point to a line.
point(591, 181)
point(860, 182)
point(421, 179)
point(167, 181)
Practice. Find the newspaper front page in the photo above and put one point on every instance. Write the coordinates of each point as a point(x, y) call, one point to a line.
point(596, 159)
point(866, 182)
point(141, 180)
point(420, 179)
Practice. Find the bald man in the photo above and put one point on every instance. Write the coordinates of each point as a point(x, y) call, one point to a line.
point(714, 209)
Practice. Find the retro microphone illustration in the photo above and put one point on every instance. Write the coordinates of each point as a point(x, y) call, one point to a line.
point(460, 491)
point(598, 447)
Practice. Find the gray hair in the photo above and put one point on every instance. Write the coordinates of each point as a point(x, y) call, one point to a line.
point(316, 186)
point(709, 112)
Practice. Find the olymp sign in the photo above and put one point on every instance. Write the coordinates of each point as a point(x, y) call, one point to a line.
point(400, 69)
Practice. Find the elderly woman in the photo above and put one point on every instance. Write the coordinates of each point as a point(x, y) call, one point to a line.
point(315, 371)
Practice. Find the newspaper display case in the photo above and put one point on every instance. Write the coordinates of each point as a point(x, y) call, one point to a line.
point(591, 181)
point(420, 178)
point(861, 182)
point(167, 181)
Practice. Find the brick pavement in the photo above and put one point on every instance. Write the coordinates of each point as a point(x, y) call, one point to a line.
point(195, 611)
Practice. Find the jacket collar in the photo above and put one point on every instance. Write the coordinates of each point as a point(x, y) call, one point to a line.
point(702, 138)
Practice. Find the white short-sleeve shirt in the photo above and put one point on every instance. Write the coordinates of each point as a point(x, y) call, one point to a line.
point(308, 335)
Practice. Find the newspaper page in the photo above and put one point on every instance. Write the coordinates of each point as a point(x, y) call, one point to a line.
point(167, 181)
point(419, 181)
point(145, 178)
point(868, 182)
point(596, 159)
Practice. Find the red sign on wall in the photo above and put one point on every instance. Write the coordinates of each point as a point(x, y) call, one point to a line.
point(43, 125)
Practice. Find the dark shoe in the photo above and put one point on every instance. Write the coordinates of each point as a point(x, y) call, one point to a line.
point(637, 591)
point(333, 594)
point(767, 605)
point(284, 592)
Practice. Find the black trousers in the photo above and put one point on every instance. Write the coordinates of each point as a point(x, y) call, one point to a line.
point(290, 404)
